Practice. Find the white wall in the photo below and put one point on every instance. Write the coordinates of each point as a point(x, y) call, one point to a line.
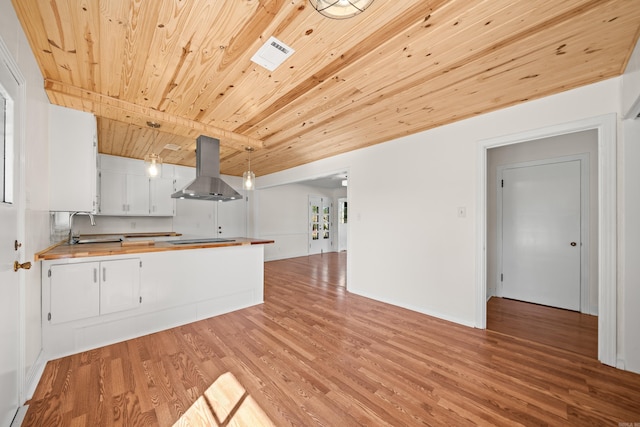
point(35, 185)
point(629, 221)
point(545, 148)
point(631, 82)
point(406, 244)
point(629, 244)
point(121, 224)
point(282, 214)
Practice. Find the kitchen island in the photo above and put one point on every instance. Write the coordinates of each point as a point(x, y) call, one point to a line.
point(134, 244)
point(100, 293)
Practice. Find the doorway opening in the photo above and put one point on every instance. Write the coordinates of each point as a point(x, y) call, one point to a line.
point(602, 264)
point(306, 220)
point(544, 289)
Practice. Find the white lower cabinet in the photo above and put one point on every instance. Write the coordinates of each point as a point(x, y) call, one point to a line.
point(75, 291)
point(95, 301)
point(89, 289)
point(119, 285)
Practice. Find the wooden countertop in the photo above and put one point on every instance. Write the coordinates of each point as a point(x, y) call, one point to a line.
point(64, 250)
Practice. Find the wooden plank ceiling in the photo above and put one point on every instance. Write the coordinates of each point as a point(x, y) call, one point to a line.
point(399, 68)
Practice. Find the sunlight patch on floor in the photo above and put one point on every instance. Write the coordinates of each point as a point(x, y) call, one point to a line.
point(225, 403)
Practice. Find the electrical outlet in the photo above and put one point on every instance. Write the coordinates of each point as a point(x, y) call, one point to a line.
point(133, 225)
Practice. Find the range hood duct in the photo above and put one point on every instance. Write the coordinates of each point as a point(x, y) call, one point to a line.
point(208, 185)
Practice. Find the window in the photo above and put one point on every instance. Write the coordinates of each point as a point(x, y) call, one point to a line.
point(3, 150)
point(6, 147)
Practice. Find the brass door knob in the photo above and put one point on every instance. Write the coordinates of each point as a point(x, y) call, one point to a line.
point(17, 266)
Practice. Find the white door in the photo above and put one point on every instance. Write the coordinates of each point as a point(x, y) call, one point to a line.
point(10, 238)
point(343, 224)
point(541, 223)
point(315, 225)
point(232, 218)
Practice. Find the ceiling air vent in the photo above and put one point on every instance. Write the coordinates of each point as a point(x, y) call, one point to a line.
point(172, 147)
point(272, 54)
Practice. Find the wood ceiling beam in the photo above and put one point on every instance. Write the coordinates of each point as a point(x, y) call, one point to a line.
point(127, 112)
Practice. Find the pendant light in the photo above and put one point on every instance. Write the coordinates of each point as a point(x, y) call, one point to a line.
point(152, 164)
point(153, 161)
point(249, 178)
point(340, 9)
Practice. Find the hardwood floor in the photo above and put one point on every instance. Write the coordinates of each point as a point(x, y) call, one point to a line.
point(565, 329)
point(314, 354)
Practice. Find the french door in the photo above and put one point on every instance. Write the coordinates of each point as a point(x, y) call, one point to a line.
point(320, 225)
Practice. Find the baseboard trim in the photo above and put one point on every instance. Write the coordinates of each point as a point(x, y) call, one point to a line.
point(33, 376)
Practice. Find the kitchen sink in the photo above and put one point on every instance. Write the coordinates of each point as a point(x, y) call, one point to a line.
point(110, 239)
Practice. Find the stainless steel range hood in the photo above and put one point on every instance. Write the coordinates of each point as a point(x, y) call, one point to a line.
point(208, 185)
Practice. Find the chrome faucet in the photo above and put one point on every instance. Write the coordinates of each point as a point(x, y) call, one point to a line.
point(73, 239)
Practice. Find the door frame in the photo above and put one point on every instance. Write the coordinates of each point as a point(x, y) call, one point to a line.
point(20, 198)
point(342, 227)
point(585, 306)
point(605, 125)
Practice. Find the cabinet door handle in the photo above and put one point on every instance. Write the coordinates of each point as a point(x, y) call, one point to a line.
point(104, 274)
point(95, 275)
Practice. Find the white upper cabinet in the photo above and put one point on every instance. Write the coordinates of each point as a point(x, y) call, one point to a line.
point(125, 189)
point(137, 195)
point(123, 194)
point(72, 160)
point(113, 188)
point(160, 201)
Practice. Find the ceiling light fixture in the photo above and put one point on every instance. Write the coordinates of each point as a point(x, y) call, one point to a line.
point(249, 178)
point(340, 9)
point(153, 161)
